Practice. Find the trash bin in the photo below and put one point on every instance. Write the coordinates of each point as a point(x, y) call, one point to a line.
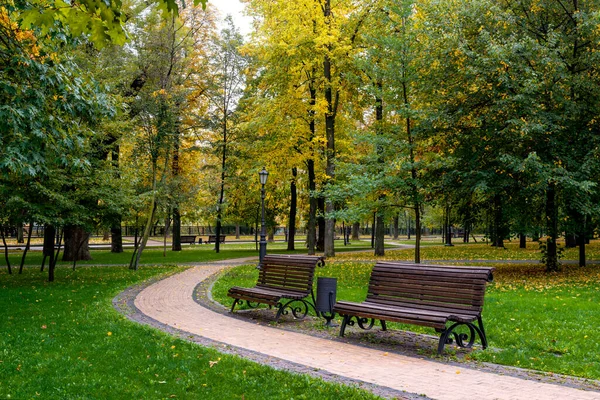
point(326, 295)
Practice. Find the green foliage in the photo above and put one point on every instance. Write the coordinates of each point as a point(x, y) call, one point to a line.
point(101, 21)
point(49, 114)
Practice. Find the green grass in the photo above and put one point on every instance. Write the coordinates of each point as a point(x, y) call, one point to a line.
point(533, 319)
point(64, 340)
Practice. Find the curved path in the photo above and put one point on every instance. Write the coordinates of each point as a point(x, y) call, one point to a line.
point(170, 301)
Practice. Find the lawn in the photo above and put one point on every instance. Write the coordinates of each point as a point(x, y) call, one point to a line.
point(547, 322)
point(64, 340)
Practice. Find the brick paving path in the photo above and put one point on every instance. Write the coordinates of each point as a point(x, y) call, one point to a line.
point(171, 302)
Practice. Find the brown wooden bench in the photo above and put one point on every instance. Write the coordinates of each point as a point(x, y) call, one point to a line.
point(427, 295)
point(213, 239)
point(191, 239)
point(282, 281)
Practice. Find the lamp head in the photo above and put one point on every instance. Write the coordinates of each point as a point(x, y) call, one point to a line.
point(263, 175)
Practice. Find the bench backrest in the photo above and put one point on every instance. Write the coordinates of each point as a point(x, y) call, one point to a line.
point(290, 272)
point(429, 287)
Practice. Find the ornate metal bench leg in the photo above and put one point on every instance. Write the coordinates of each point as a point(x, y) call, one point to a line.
point(482, 335)
point(279, 312)
point(464, 340)
point(344, 323)
point(235, 301)
point(443, 341)
point(383, 325)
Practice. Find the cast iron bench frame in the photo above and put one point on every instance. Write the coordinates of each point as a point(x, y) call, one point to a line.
point(426, 295)
point(282, 281)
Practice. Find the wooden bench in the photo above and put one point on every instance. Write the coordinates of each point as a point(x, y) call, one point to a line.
point(427, 295)
point(188, 239)
point(213, 239)
point(282, 280)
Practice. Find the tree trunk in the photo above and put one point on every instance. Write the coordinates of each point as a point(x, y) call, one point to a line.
point(76, 244)
point(328, 245)
point(237, 231)
point(5, 250)
point(311, 235)
point(20, 235)
point(321, 224)
point(499, 230)
point(373, 230)
point(379, 222)
point(293, 204)
point(356, 231)
point(552, 263)
point(137, 254)
point(116, 239)
point(396, 226)
point(26, 247)
point(53, 258)
point(222, 188)
point(522, 241)
point(448, 227)
point(49, 237)
point(417, 234)
point(218, 232)
point(176, 238)
point(413, 174)
point(570, 240)
point(379, 236)
point(582, 238)
point(116, 233)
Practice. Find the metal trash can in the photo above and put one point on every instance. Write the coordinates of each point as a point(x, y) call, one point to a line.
point(326, 297)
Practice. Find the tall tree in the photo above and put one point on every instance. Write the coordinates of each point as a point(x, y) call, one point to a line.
point(227, 66)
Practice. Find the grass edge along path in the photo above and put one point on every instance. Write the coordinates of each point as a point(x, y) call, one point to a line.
point(65, 340)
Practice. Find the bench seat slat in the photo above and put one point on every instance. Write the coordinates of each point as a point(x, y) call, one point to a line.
point(437, 288)
point(364, 311)
point(464, 308)
point(269, 292)
point(436, 315)
point(408, 275)
point(441, 297)
point(463, 315)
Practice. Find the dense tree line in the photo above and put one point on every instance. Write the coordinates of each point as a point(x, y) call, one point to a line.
point(482, 112)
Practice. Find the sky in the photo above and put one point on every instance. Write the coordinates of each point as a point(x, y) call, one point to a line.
point(235, 8)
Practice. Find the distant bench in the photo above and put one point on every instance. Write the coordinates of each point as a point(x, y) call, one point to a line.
point(426, 295)
point(213, 239)
point(288, 277)
point(191, 239)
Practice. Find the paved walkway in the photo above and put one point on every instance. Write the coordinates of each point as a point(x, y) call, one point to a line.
point(170, 302)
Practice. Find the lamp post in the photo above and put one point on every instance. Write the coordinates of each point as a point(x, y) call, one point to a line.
point(263, 175)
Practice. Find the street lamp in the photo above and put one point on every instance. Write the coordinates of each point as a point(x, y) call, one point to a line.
point(263, 175)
